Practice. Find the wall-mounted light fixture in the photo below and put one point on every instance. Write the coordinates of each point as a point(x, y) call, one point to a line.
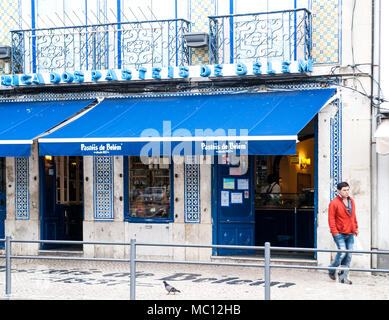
point(49, 158)
point(196, 39)
point(305, 163)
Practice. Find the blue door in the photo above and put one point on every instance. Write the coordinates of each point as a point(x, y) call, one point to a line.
point(61, 200)
point(2, 200)
point(235, 218)
point(49, 218)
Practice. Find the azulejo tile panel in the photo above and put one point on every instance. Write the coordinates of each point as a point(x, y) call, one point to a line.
point(199, 12)
point(199, 56)
point(326, 31)
point(22, 211)
point(192, 191)
point(103, 187)
point(9, 13)
point(336, 149)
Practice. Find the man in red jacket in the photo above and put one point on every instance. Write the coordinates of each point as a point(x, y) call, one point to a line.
point(343, 226)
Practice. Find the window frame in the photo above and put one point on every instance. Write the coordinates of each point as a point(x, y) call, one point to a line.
point(126, 198)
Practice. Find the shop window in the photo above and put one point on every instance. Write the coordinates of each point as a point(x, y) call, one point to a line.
point(149, 189)
point(69, 173)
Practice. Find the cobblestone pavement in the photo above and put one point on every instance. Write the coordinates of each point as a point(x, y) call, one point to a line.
point(92, 280)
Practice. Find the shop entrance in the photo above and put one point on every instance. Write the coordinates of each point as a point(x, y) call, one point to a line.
point(3, 201)
point(285, 215)
point(284, 203)
point(278, 205)
point(61, 200)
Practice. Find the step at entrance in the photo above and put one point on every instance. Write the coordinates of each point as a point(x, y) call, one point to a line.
point(61, 253)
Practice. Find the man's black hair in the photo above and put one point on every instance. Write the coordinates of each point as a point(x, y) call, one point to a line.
point(342, 185)
point(272, 178)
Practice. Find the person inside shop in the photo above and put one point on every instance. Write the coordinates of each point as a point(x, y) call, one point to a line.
point(273, 184)
point(271, 192)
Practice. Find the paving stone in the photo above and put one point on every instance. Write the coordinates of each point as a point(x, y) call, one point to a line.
point(92, 280)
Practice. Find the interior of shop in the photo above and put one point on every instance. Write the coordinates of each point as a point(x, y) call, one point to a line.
point(284, 196)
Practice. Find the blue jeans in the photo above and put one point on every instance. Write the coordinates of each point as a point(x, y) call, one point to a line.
point(343, 242)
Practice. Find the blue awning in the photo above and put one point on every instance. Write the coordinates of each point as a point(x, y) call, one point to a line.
point(21, 122)
point(245, 123)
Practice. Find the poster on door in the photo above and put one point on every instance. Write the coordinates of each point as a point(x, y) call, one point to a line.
point(236, 197)
point(225, 199)
point(228, 183)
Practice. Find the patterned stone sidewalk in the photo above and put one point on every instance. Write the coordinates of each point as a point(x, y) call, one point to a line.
point(78, 280)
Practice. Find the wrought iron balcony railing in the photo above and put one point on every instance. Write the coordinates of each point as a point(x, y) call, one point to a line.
point(156, 43)
point(284, 35)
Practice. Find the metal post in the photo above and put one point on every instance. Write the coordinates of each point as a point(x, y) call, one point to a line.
point(267, 271)
point(295, 227)
point(132, 269)
point(7, 266)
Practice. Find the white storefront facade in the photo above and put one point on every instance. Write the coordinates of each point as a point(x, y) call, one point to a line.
point(200, 198)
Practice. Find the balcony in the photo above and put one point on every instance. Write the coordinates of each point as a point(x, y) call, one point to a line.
point(278, 35)
point(156, 43)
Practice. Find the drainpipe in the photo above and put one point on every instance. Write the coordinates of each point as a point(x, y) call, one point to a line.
point(375, 72)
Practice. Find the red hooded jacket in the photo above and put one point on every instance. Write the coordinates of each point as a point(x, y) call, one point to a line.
point(339, 219)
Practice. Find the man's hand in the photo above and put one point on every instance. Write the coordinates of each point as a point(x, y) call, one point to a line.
point(356, 232)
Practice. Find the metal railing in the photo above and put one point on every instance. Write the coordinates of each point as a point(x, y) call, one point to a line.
point(267, 265)
point(157, 43)
point(281, 35)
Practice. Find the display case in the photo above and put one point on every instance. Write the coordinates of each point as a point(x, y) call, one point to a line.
point(285, 219)
point(149, 189)
point(305, 199)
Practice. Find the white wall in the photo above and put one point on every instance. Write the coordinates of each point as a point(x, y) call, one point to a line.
point(356, 132)
point(381, 222)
